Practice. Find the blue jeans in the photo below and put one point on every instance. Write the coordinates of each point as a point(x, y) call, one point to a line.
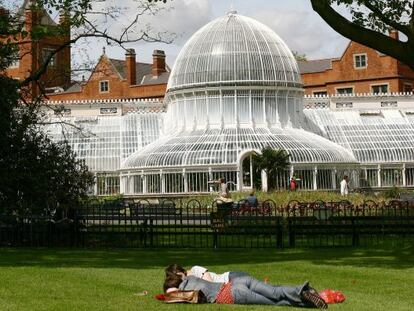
point(247, 290)
point(236, 274)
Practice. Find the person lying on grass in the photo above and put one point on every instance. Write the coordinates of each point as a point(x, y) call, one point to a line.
point(203, 273)
point(246, 290)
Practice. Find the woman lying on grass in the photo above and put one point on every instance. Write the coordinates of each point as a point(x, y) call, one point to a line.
point(203, 273)
point(246, 290)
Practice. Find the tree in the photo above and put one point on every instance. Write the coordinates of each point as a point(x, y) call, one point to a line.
point(35, 172)
point(273, 162)
point(371, 20)
point(299, 57)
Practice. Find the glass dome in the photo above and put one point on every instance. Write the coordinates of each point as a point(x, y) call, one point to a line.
point(234, 72)
point(235, 89)
point(234, 50)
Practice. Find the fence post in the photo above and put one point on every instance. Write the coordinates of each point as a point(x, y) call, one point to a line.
point(151, 233)
point(279, 233)
point(291, 233)
point(355, 233)
point(215, 239)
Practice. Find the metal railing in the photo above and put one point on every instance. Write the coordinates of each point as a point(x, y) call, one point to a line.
point(177, 223)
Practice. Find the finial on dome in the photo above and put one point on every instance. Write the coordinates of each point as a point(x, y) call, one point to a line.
point(232, 10)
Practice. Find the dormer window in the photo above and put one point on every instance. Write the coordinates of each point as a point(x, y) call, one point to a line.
point(360, 61)
point(103, 86)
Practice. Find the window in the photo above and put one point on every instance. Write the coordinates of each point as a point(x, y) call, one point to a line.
point(360, 61)
point(320, 93)
point(345, 90)
point(379, 89)
point(15, 63)
point(47, 53)
point(408, 87)
point(103, 86)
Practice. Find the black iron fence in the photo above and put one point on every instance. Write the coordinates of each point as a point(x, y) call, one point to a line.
point(170, 223)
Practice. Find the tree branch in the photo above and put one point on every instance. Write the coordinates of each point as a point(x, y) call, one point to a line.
point(380, 15)
point(375, 40)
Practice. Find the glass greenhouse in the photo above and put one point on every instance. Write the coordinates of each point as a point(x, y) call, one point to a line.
point(234, 89)
point(105, 141)
point(382, 140)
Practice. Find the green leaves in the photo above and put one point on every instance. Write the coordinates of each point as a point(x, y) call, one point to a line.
point(379, 15)
point(370, 22)
point(272, 162)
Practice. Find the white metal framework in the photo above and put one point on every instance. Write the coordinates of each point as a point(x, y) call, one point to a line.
point(235, 88)
point(104, 141)
point(378, 130)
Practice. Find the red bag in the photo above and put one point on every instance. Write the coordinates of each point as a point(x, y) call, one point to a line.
point(330, 296)
point(160, 297)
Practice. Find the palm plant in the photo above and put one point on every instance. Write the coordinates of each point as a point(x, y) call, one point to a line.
point(273, 162)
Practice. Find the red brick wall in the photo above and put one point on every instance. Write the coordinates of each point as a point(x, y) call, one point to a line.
point(31, 55)
point(118, 87)
point(380, 70)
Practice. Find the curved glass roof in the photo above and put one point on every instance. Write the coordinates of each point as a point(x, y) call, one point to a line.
point(217, 147)
point(382, 136)
point(104, 142)
point(234, 50)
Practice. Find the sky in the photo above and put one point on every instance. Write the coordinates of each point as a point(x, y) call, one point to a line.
point(293, 20)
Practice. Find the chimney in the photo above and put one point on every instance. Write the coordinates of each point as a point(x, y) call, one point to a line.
point(64, 19)
point(394, 34)
point(158, 62)
point(131, 66)
point(32, 15)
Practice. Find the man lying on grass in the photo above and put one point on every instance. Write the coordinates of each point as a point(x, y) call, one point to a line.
point(243, 289)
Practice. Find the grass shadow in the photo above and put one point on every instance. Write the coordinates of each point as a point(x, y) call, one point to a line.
point(387, 258)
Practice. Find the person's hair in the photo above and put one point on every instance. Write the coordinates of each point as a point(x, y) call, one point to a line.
point(222, 180)
point(252, 193)
point(345, 176)
point(171, 281)
point(174, 269)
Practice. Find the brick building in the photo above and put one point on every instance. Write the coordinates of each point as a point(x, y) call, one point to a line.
point(121, 79)
point(110, 79)
point(32, 53)
point(359, 70)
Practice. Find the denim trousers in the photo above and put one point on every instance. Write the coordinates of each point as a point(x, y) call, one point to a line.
point(248, 290)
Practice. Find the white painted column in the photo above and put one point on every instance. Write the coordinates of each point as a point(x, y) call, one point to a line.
point(122, 183)
point(264, 181)
point(404, 178)
point(131, 185)
point(379, 176)
point(239, 178)
point(95, 186)
point(144, 184)
point(162, 179)
point(185, 181)
point(315, 180)
point(210, 177)
point(334, 171)
point(291, 172)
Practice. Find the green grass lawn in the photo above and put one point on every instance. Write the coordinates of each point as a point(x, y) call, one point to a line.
point(66, 279)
